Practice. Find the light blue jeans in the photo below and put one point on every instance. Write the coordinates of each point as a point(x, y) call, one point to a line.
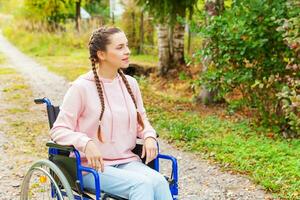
point(133, 180)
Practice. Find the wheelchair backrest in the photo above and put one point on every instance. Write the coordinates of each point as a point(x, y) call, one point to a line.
point(52, 112)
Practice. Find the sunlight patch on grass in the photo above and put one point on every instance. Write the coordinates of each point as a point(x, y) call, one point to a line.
point(6, 71)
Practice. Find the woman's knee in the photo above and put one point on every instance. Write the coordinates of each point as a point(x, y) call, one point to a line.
point(142, 188)
point(161, 188)
point(143, 182)
point(159, 180)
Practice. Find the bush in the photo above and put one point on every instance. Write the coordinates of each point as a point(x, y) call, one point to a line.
point(250, 54)
point(50, 13)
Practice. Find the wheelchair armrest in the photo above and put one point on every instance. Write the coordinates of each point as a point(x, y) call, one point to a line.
point(54, 145)
point(174, 165)
point(96, 178)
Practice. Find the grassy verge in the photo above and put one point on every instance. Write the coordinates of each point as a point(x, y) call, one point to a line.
point(64, 53)
point(236, 144)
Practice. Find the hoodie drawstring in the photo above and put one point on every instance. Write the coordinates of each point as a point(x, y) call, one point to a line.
point(126, 102)
point(112, 115)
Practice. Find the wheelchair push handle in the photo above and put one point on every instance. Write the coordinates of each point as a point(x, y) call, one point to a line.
point(43, 100)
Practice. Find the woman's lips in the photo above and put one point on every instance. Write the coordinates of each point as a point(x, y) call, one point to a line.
point(126, 59)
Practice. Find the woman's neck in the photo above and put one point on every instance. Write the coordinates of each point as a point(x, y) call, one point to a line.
point(107, 72)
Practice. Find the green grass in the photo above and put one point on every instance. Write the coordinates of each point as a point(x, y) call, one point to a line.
point(6, 71)
point(145, 60)
point(274, 164)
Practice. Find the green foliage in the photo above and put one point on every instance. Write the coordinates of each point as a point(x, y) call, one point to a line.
point(51, 12)
point(167, 10)
point(289, 97)
point(249, 54)
point(99, 8)
point(11, 6)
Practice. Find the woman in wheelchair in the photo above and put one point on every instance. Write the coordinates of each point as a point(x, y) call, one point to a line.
point(102, 115)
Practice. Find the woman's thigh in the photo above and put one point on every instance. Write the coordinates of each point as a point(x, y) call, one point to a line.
point(141, 168)
point(159, 183)
point(120, 182)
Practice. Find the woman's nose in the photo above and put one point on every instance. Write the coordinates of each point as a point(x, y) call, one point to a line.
point(127, 51)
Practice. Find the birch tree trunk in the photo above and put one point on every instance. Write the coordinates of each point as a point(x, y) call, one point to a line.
point(163, 49)
point(178, 45)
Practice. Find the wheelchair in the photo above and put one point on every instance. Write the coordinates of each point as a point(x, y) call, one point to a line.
point(60, 176)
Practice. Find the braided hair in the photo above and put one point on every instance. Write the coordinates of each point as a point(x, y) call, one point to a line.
point(98, 42)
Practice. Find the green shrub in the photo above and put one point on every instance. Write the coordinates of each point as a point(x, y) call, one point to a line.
point(250, 54)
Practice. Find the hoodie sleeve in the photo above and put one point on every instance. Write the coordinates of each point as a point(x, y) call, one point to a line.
point(63, 131)
point(148, 130)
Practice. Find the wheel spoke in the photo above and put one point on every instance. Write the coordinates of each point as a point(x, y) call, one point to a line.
point(43, 181)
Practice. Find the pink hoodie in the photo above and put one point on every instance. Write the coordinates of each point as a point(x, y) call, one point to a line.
point(77, 122)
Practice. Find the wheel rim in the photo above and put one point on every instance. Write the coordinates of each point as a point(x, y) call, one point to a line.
point(39, 183)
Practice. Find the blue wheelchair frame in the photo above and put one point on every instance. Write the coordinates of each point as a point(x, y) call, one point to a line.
point(54, 150)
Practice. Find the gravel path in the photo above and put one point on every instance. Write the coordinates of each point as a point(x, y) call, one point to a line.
point(198, 180)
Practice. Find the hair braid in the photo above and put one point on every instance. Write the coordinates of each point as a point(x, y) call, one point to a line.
point(101, 97)
point(98, 42)
point(139, 117)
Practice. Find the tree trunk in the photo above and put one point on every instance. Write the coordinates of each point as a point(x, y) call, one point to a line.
point(140, 49)
point(189, 40)
point(133, 29)
point(77, 16)
point(213, 8)
point(189, 29)
point(178, 45)
point(163, 49)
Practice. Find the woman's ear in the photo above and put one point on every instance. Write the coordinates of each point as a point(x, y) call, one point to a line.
point(101, 55)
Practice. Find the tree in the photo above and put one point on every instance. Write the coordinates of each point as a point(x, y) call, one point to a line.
point(77, 16)
point(49, 12)
point(138, 27)
point(170, 17)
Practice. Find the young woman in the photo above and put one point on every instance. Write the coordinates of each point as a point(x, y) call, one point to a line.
point(102, 114)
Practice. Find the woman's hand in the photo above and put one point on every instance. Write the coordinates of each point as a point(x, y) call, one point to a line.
point(149, 149)
point(94, 156)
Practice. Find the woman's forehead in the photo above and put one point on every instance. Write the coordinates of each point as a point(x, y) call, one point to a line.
point(118, 38)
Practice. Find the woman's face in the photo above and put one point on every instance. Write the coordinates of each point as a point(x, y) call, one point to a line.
point(117, 52)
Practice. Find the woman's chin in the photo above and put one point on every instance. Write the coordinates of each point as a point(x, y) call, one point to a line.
point(124, 66)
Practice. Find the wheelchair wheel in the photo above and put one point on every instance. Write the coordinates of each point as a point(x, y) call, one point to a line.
point(44, 180)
